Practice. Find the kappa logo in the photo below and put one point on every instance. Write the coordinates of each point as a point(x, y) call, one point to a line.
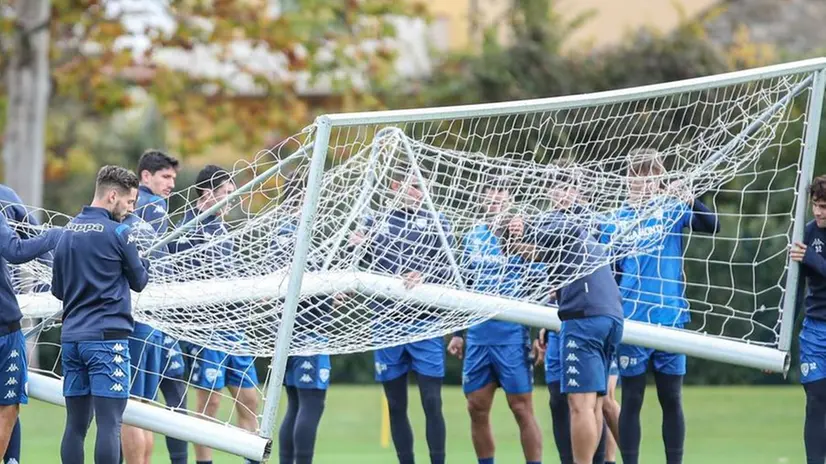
point(118, 348)
point(117, 359)
point(307, 366)
point(14, 354)
point(573, 383)
point(11, 381)
point(10, 394)
point(614, 364)
point(116, 387)
point(172, 353)
point(571, 345)
point(12, 461)
point(572, 358)
point(160, 209)
point(12, 368)
point(306, 378)
point(168, 340)
point(818, 245)
point(324, 375)
point(380, 367)
point(131, 239)
point(212, 374)
point(118, 373)
point(624, 361)
point(174, 365)
point(572, 370)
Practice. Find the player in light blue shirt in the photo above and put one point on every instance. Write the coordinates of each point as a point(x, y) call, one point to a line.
point(653, 291)
point(498, 353)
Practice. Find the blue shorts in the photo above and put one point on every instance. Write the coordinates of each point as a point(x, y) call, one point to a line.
point(171, 358)
point(146, 361)
point(425, 357)
point(308, 372)
point(213, 369)
point(13, 365)
point(100, 368)
point(553, 366)
point(586, 348)
point(812, 350)
point(509, 366)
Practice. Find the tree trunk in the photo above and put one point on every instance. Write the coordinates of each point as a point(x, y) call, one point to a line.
point(28, 94)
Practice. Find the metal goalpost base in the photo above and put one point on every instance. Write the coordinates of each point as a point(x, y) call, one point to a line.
point(167, 422)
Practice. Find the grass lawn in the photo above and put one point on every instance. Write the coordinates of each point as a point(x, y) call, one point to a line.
point(754, 425)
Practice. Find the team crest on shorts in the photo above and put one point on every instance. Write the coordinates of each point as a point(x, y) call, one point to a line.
point(804, 369)
point(324, 375)
point(624, 361)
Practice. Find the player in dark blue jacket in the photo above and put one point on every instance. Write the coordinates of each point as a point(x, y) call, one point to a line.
point(16, 212)
point(14, 250)
point(156, 357)
point(406, 243)
point(590, 308)
point(306, 378)
point(653, 291)
point(565, 197)
point(498, 353)
point(96, 264)
point(812, 255)
point(212, 370)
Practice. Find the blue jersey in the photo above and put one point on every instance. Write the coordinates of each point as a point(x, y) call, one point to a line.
point(149, 220)
point(570, 251)
point(651, 282)
point(489, 269)
point(16, 213)
point(814, 270)
point(96, 263)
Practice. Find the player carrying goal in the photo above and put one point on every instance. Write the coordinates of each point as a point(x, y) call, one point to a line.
point(653, 288)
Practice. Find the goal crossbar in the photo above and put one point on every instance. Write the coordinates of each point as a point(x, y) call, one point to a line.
point(274, 286)
point(167, 422)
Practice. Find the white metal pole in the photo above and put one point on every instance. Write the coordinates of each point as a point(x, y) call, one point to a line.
point(806, 169)
point(302, 246)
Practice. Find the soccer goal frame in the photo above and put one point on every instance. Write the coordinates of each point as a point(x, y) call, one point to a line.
point(694, 344)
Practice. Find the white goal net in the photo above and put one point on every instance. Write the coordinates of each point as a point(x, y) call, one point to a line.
point(424, 222)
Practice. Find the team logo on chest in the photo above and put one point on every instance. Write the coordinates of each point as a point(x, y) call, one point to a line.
point(818, 244)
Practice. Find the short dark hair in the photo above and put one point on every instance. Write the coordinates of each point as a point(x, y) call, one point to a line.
point(210, 178)
point(115, 177)
point(154, 161)
point(817, 189)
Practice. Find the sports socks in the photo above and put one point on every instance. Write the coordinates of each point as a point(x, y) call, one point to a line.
point(13, 451)
point(396, 392)
point(633, 393)
point(286, 451)
point(486, 461)
point(561, 422)
point(310, 409)
point(430, 389)
point(814, 428)
point(108, 413)
point(669, 392)
point(174, 392)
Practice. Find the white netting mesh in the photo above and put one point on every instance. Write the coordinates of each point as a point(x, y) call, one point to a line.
point(419, 197)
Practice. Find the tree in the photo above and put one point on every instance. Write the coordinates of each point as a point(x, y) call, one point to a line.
point(223, 73)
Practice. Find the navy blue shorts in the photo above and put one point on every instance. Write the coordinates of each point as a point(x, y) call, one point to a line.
point(812, 350)
point(425, 357)
point(587, 346)
point(213, 369)
point(509, 366)
point(553, 365)
point(146, 361)
point(308, 372)
point(13, 365)
point(100, 368)
point(171, 358)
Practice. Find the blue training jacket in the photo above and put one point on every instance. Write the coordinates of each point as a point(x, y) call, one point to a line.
point(96, 264)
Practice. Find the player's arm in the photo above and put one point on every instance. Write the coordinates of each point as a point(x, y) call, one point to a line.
point(57, 281)
point(703, 219)
point(134, 267)
point(155, 215)
point(17, 250)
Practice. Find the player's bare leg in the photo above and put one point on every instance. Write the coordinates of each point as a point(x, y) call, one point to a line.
point(479, 404)
point(8, 417)
point(208, 402)
point(521, 406)
point(586, 425)
point(133, 442)
point(246, 404)
point(611, 413)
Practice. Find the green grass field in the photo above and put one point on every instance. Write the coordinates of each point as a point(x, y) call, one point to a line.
point(754, 425)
